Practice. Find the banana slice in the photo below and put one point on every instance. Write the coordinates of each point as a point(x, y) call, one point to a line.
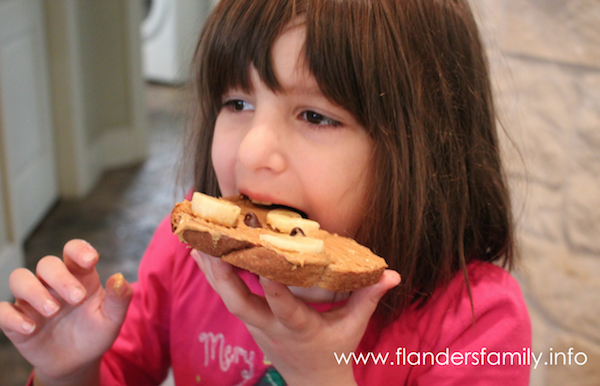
point(284, 221)
point(294, 243)
point(215, 210)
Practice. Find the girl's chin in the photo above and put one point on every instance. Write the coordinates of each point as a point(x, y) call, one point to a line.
point(318, 295)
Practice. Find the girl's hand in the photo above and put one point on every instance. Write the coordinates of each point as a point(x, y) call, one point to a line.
point(299, 341)
point(63, 321)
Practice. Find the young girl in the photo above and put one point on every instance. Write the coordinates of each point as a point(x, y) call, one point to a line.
point(373, 117)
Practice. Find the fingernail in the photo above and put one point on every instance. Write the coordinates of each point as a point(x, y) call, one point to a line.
point(118, 285)
point(88, 256)
point(76, 295)
point(28, 327)
point(50, 307)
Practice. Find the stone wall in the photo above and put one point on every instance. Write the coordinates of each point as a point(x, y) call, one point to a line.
point(545, 58)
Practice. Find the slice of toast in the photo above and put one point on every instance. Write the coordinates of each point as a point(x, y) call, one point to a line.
point(249, 241)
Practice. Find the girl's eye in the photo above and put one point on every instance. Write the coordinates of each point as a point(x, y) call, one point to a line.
point(238, 105)
point(319, 119)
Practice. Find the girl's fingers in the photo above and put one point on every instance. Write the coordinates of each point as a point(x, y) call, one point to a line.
point(12, 321)
point(363, 302)
point(281, 304)
point(239, 300)
point(80, 257)
point(204, 267)
point(118, 296)
point(287, 308)
point(26, 287)
point(52, 271)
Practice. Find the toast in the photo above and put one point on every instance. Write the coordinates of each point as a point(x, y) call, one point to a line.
point(275, 243)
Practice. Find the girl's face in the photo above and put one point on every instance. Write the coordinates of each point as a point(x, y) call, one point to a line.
point(293, 147)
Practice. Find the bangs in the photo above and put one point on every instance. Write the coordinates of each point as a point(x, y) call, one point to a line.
point(350, 51)
point(242, 33)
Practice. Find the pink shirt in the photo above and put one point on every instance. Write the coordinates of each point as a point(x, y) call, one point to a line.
point(176, 319)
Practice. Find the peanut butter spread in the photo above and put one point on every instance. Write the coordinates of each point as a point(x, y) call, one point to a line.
point(339, 253)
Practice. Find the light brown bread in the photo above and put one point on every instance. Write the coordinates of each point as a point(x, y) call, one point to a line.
point(343, 265)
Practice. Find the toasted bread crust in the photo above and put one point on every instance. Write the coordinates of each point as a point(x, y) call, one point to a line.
point(243, 249)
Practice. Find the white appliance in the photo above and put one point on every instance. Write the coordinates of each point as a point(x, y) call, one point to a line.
point(170, 31)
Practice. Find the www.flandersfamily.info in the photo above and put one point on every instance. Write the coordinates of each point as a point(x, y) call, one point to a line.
point(526, 357)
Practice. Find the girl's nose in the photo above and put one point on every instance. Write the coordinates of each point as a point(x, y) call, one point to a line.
point(261, 148)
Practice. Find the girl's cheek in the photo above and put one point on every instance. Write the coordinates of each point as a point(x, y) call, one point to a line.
point(225, 175)
point(223, 159)
point(219, 162)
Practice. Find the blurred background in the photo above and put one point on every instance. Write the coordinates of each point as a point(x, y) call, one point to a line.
point(545, 60)
point(93, 104)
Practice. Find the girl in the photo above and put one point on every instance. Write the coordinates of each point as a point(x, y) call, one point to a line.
point(373, 117)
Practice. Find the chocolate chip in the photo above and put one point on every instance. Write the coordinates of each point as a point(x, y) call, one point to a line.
point(297, 231)
point(252, 221)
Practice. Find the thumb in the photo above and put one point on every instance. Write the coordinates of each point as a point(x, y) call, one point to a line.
point(363, 302)
point(118, 296)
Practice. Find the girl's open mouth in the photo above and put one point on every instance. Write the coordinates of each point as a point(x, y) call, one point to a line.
point(271, 205)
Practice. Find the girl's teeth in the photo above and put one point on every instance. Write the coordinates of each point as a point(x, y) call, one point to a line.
point(264, 203)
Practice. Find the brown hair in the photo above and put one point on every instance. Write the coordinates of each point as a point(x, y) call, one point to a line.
point(414, 74)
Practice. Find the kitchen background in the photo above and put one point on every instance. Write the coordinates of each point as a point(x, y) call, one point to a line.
point(92, 109)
